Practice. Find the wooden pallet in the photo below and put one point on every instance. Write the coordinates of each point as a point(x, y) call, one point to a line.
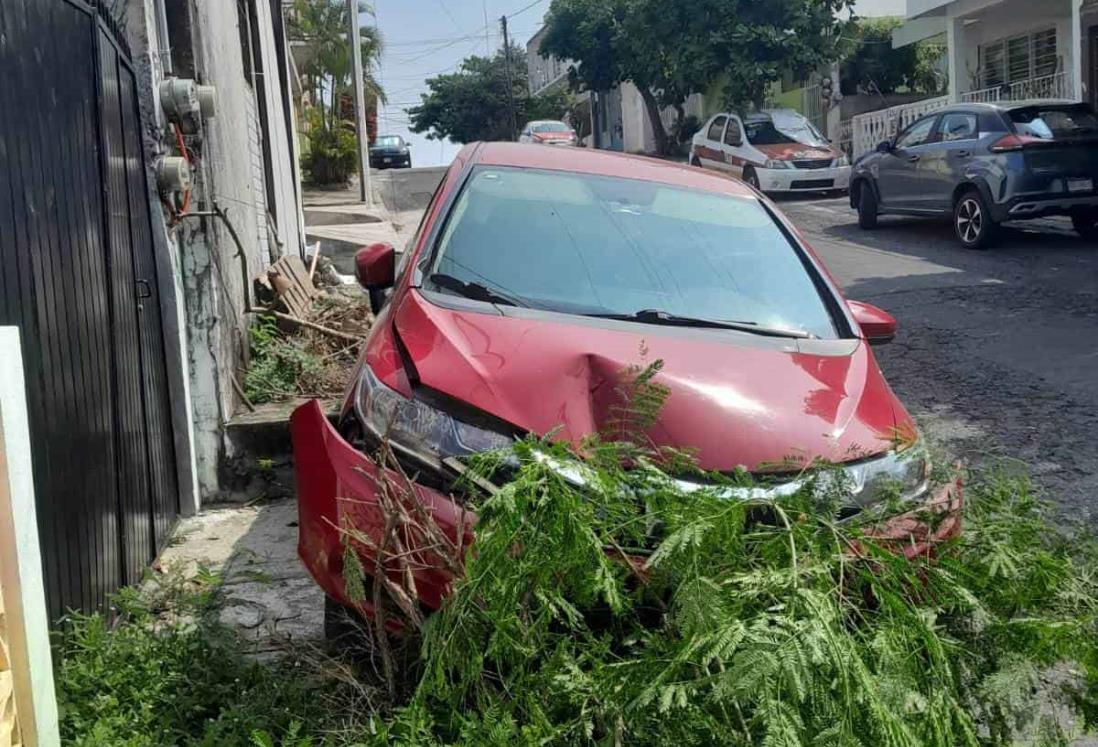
point(289, 281)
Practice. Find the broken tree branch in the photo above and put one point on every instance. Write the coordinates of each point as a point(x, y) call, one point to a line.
point(290, 318)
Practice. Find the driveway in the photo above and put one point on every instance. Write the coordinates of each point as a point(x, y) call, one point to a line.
point(997, 353)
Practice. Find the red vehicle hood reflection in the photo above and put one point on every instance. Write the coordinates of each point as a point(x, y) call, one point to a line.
point(735, 399)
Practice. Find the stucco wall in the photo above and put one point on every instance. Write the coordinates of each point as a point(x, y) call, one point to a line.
point(1009, 19)
point(203, 272)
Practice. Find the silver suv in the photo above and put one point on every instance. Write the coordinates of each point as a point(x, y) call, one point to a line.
point(983, 164)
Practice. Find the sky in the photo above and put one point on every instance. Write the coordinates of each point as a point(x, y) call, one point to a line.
point(426, 37)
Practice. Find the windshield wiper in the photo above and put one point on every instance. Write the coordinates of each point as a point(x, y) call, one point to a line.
point(655, 316)
point(474, 291)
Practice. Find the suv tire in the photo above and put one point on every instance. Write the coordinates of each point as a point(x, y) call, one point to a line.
point(695, 161)
point(972, 221)
point(867, 206)
point(1086, 225)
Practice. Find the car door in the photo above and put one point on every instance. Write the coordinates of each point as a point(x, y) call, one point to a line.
point(943, 163)
point(732, 146)
point(709, 152)
point(898, 176)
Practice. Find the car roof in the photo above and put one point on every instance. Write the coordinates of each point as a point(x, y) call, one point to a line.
point(1002, 106)
point(606, 163)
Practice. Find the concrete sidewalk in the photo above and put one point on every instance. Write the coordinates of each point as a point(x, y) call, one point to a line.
point(342, 223)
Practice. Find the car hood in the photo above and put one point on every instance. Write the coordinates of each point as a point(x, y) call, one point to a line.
point(734, 399)
point(795, 152)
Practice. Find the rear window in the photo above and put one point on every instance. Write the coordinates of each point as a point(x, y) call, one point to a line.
point(586, 244)
point(1055, 122)
point(551, 127)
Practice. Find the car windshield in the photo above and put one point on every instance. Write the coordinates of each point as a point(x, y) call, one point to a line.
point(550, 127)
point(1055, 122)
point(388, 141)
point(781, 128)
point(585, 244)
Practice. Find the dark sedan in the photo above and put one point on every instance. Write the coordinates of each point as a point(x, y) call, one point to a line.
point(983, 164)
point(390, 152)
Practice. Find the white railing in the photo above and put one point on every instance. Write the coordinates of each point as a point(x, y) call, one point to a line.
point(1057, 86)
point(871, 128)
point(846, 137)
point(983, 96)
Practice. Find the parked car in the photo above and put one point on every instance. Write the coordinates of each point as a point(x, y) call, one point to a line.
point(777, 150)
point(982, 164)
point(548, 132)
point(524, 298)
point(390, 152)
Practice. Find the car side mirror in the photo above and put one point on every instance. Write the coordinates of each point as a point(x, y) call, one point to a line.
point(375, 266)
point(877, 325)
point(884, 146)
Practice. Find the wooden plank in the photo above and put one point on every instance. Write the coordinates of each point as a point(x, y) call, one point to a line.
point(28, 708)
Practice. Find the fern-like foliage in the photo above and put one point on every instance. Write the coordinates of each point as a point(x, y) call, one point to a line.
point(748, 623)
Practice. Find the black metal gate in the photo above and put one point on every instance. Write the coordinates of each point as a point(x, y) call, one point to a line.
point(78, 277)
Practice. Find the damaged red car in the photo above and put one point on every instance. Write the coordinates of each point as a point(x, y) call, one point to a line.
point(534, 282)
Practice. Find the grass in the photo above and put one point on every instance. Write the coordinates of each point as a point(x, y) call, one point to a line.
point(749, 624)
point(165, 671)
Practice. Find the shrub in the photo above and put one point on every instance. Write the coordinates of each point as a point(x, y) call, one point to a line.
point(166, 672)
point(332, 154)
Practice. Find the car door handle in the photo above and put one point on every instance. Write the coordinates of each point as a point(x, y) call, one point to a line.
point(912, 159)
point(962, 153)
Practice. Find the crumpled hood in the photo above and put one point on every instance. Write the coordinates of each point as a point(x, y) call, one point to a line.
point(734, 399)
point(796, 152)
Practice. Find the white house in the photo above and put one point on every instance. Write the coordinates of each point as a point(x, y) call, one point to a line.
point(998, 50)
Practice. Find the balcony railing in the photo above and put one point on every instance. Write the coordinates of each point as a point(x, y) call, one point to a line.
point(1056, 86)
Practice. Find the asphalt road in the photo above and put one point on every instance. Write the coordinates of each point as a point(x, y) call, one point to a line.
point(997, 351)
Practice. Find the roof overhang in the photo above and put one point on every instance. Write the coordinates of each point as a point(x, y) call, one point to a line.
point(917, 29)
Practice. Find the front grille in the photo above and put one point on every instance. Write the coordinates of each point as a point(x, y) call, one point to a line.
point(814, 163)
point(812, 184)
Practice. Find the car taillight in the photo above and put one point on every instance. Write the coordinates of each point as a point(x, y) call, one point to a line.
point(1009, 143)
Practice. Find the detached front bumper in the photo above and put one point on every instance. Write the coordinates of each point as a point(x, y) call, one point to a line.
point(803, 180)
point(337, 488)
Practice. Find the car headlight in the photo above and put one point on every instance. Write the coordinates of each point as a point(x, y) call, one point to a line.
point(842, 161)
point(772, 164)
point(415, 427)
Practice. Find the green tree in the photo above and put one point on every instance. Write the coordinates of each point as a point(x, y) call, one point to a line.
point(876, 65)
point(471, 103)
point(670, 49)
point(321, 25)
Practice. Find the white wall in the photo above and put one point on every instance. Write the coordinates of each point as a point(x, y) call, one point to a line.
point(1010, 18)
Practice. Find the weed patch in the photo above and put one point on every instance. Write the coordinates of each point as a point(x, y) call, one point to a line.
point(166, 672)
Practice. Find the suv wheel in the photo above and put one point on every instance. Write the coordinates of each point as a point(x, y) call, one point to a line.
point(1086, 225)
point(695, 161)
point(867, 206)
point(972, 221)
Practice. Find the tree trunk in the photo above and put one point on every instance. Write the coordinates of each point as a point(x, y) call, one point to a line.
point(654, 117)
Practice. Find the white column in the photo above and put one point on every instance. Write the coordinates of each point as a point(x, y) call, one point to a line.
point(955, 43)
point(1077, 50)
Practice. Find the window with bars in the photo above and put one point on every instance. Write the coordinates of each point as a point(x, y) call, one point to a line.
point(1018, 58)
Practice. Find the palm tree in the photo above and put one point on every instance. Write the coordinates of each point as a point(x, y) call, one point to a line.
point(321, 25)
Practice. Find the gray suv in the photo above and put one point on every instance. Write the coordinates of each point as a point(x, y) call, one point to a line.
point(983, 164)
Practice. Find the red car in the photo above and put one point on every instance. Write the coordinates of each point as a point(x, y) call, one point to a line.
point(537, 278)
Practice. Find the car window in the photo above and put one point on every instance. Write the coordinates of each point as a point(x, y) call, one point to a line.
point(1055, 122)
point(587, 244)
point(716, 129)
point(550, 127)
point(916, 134)
point(389, 141)
point(732, 134)
point(958, 126)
